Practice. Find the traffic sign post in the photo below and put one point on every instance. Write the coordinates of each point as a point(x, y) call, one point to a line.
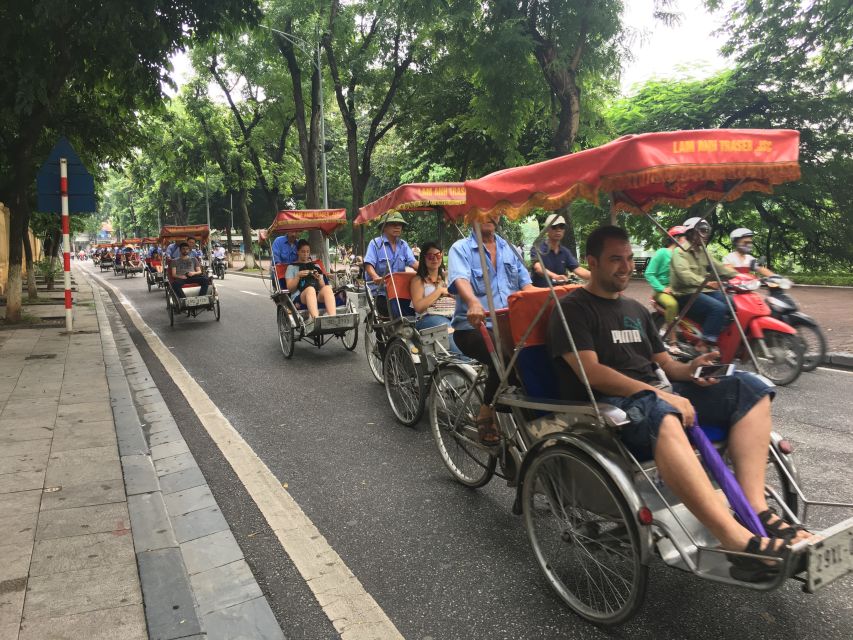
point(66, 239)
point(64, 186)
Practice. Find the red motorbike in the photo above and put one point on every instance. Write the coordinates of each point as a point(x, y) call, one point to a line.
point(775, 344)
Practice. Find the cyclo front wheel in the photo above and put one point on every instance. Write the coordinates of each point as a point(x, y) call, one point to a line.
point(372, 349)
point(584, 537)
point(404, 382)
point(454, 403)
point(286, 332)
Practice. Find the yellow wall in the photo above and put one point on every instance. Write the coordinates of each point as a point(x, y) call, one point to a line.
point(4, 249)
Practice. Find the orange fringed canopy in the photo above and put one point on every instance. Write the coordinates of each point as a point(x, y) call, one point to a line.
point(678, 168)
point(171, 233)
point(449, 196)
point(326, 220)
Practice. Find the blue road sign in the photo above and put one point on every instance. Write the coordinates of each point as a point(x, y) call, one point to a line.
point(81, 184)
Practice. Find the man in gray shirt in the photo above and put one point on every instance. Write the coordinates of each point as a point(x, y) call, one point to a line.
point(186, 270)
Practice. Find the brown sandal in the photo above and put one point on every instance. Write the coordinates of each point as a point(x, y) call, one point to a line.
point(488, 432)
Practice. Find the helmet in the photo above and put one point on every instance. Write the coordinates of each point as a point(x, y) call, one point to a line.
point(739, 233)
point(392, 217)
point(699, 224)
point(677, 230)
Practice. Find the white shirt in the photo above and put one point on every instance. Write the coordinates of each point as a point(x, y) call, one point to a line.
point(219, 252)
point(740, 261)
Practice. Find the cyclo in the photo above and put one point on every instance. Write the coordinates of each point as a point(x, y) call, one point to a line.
point(131, 263)
point(191, 305)
point(292, 318)
point(154, 267)
point(597, 516)
point(401, 357)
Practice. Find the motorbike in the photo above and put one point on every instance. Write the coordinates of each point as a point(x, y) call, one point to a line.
point(783, 307)
point(775, 344)
point(219, 268)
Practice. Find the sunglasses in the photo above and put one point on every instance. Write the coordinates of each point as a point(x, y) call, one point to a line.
point(433, 256)
point(558, 226)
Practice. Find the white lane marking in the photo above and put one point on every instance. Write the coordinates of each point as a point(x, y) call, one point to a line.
point(352, 611)
point(251, 293)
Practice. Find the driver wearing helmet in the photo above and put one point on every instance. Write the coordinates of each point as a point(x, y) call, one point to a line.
point(741, 258)
point(690, 269)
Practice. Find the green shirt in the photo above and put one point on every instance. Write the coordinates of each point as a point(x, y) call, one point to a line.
point(657, 271)
point(688, 270)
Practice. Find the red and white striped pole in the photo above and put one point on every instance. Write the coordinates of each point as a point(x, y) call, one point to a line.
point(66, 238)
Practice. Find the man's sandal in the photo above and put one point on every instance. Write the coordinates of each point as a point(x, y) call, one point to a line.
point(488, 432)
point(755, 570)
point(779, 528)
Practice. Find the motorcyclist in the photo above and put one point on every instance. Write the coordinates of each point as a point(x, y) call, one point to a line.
point(741, 258)
point(689, 270)
point(657, 275)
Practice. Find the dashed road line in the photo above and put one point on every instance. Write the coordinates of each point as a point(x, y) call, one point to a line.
point(348, 605)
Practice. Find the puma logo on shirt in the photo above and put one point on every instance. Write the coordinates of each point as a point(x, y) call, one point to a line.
point(625, 336)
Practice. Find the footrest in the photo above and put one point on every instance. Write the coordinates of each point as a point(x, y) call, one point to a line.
point(331, 324)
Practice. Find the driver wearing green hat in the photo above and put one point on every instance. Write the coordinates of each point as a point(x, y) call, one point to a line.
point(387, 253)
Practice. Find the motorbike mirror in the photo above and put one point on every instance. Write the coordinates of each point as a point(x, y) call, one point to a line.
point(762, 261)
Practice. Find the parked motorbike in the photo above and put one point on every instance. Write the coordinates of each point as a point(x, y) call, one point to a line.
point(774, 343)
point(783, 307)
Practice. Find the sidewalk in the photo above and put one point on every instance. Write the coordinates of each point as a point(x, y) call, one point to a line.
point(107, 526)
point(67, 563)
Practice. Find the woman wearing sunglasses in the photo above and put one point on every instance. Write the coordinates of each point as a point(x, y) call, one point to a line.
point(431, 300)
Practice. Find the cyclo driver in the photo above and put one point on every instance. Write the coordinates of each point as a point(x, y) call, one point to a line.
point(388, 253)
point(507, 274)
point(621, 351)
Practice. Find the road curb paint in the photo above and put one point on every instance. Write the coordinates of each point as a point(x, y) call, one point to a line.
point(351, 609)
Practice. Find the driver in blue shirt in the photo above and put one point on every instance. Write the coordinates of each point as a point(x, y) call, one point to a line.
point(507, 274)
point(284, 252)
point(558, 259)
point(388, 253)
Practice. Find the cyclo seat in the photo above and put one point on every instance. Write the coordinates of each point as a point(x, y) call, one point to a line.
point(534, 366)
point(399, 294)
point(281, 270)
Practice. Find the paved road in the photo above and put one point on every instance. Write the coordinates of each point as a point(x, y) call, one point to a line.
point(442, 561)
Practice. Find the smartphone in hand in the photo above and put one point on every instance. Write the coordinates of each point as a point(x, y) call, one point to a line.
point(714, 371)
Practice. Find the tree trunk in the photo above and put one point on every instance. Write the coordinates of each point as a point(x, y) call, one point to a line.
point(246, 224)
point(32, 291)
point(53, 245)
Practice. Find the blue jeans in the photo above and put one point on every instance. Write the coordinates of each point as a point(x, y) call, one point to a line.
point(430, 320)
point(718, 408)
point(710, 310)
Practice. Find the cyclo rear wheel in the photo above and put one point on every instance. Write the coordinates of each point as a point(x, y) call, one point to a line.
point(584, 537)
point(454, 402)
point(405, 383)
point(350, 338)
point(372, 348)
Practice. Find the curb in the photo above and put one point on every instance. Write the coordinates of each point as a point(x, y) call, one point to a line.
point(839, 360)
point(180, 536)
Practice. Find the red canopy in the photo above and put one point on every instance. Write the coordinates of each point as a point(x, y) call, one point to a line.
point(171, 233)
point(678, 168)
point(417, 197)
point(326, 220)
point(132, 241)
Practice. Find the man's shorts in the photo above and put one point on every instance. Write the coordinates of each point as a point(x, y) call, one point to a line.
point(718, 407)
